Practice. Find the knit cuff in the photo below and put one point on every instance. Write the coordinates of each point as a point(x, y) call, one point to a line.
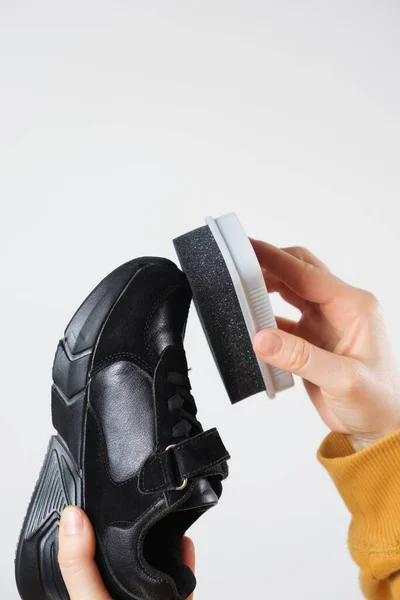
point(369, 483)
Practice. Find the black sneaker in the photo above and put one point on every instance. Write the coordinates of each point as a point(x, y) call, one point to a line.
point(129, 449)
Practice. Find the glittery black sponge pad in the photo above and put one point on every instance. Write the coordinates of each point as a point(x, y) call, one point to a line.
point(220, 314)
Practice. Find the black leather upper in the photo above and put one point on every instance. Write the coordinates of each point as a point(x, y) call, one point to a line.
point(136, 411)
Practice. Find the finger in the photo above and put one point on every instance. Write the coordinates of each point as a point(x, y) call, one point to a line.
point(275, 285)
point(76, 557)
point(306, 280)
point(292, 298)
point(286, 324)
point(188, 555)
point(333, 373)
point(306, 256)
point(272, 282)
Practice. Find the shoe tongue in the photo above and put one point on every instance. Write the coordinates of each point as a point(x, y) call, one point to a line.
point(202, 497)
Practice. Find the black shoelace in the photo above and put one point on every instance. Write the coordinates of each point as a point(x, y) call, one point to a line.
point(183, 405)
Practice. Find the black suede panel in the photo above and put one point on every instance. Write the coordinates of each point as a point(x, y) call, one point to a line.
point(149, 316)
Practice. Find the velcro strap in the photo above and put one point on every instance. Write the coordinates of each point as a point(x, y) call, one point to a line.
point(200, 456)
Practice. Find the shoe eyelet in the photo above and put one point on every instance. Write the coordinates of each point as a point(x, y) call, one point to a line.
point(185, 481)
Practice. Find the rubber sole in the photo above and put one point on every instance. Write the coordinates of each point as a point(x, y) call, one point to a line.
point(37, 572)
point(60, 481)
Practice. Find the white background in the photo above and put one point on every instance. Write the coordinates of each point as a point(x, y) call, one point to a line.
point(122, 124)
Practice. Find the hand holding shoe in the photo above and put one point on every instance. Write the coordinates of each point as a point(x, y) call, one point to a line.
point(76, 556)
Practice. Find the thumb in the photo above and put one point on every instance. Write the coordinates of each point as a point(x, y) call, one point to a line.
point(76, 557)
point(188, 555)
point(291, 353)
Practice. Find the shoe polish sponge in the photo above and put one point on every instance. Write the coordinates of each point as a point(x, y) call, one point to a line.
point(232, 302)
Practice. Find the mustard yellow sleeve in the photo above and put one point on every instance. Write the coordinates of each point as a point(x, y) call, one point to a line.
point(369, 483)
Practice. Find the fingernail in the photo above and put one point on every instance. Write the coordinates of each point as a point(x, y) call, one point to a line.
point(268, 343)
point(72, 520)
